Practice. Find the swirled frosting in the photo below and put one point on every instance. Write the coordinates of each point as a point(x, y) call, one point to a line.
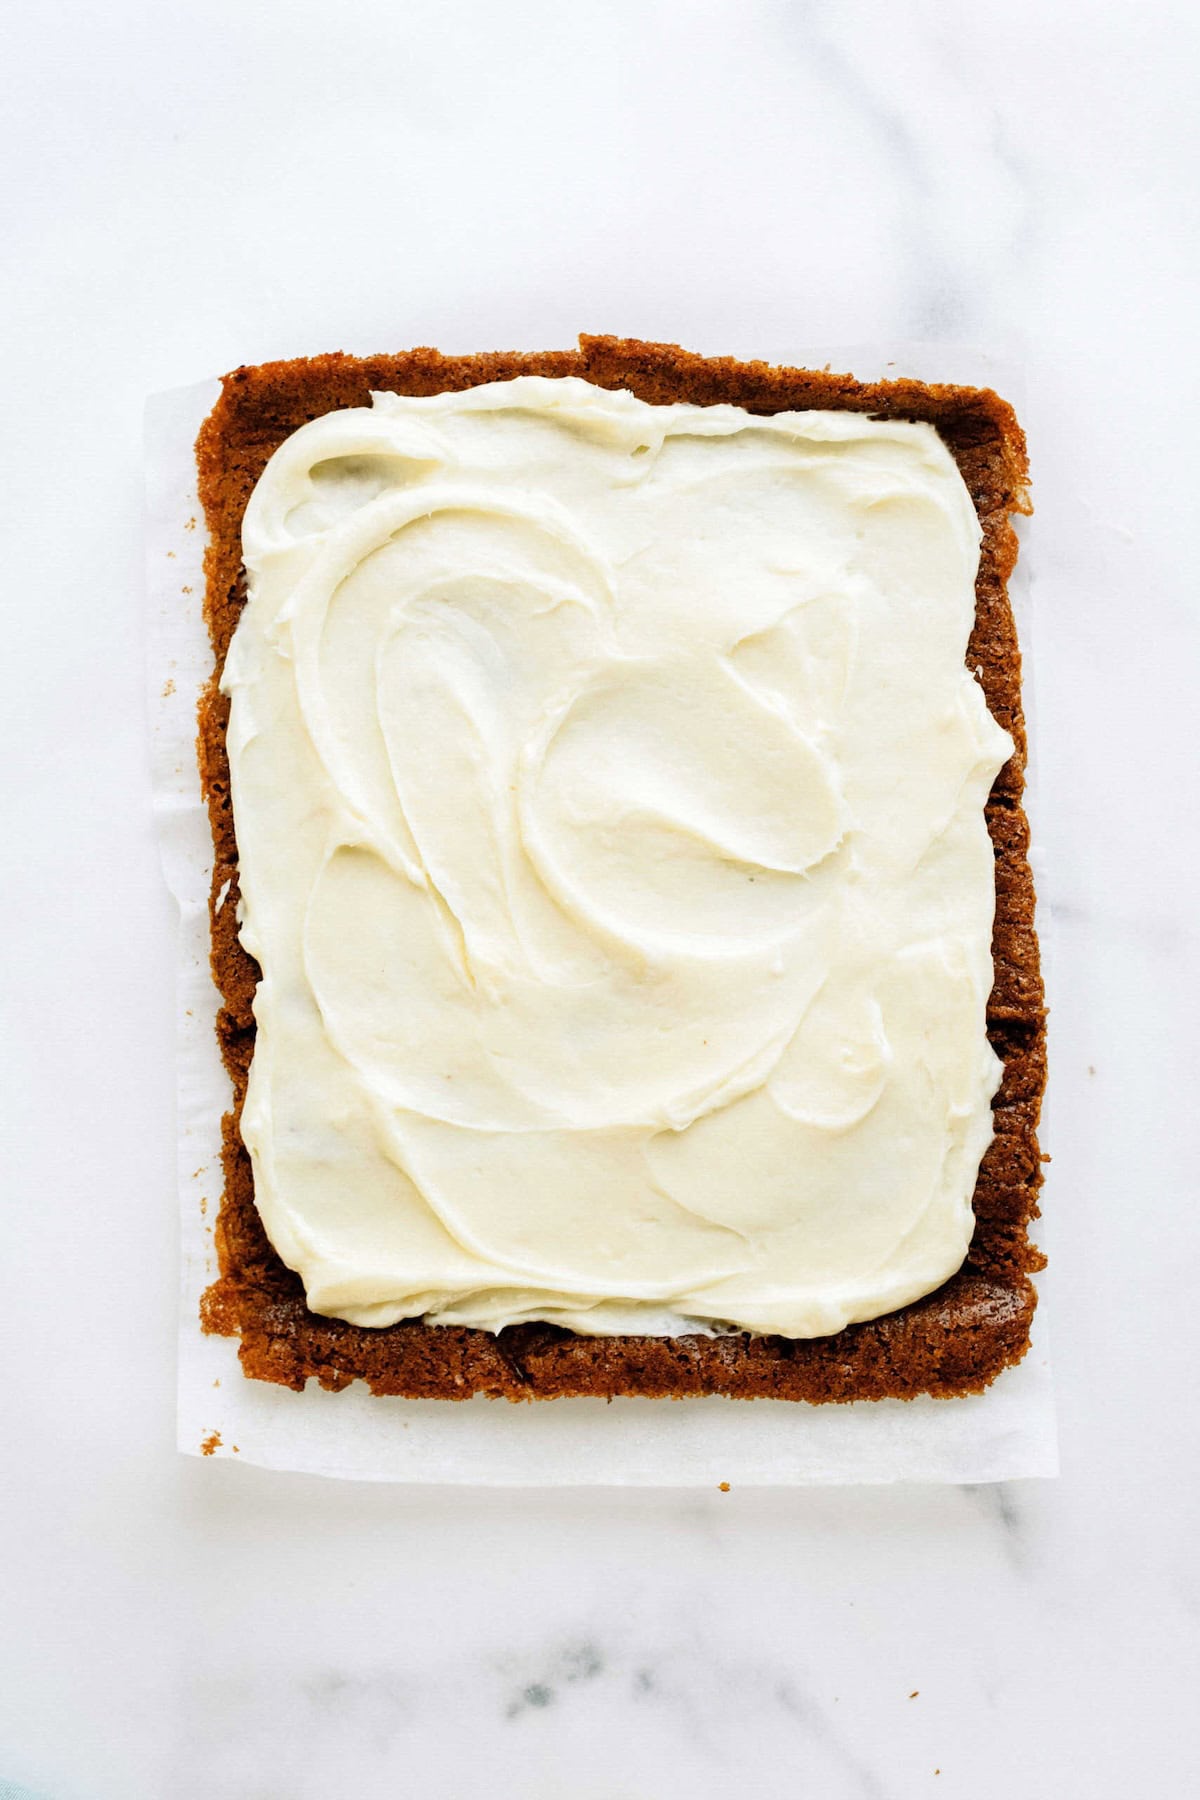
point(609, 790)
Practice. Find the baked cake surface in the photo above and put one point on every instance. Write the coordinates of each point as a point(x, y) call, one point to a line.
point(954, 1340)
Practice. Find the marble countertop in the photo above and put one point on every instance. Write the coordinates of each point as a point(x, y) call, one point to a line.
point(203, 185)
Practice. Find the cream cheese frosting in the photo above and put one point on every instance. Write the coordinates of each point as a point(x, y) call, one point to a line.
point(609, 790)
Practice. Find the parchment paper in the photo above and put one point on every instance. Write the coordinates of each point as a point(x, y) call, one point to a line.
point(1007, 1432)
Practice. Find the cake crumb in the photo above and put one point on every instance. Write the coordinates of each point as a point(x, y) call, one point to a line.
point(724, 1486)
point(168, 688)
point(203, 1205)
point(191, 524)
point(914, 1694)
point(211, 1444)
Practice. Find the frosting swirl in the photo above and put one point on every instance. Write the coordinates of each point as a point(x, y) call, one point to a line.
point(609, 795)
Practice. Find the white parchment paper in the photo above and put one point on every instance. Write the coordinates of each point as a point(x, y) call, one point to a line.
point(1007, 1432)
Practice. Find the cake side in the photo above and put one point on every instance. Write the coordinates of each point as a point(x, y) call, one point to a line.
point(955, 1340)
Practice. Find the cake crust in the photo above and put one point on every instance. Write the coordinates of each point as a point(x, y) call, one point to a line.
point(955, 1340)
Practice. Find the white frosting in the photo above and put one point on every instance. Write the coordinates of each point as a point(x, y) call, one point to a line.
point(609, 796)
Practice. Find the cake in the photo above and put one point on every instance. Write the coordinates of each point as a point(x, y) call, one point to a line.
point(730, 1327)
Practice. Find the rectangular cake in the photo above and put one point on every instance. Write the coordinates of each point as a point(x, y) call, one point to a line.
point(620, 904)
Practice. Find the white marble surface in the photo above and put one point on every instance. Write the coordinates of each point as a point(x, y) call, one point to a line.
point(198, 185)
